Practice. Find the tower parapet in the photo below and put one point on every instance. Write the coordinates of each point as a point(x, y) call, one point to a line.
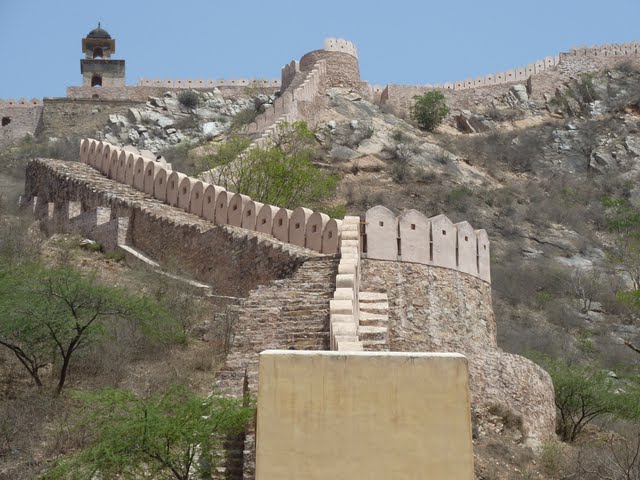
point(341, 58)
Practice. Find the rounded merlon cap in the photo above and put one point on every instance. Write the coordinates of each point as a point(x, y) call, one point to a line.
point(98, 33)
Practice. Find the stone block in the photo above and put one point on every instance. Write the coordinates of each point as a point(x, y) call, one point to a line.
point(382, 233)
point(357, 415)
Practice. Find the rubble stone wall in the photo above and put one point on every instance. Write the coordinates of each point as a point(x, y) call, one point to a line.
point(233, 261)
point(434, 309)
point(19, 118)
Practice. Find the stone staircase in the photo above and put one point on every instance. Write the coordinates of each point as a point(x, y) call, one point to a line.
point(373, 331)
point(287, 314)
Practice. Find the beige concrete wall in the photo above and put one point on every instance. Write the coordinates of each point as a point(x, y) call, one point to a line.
point(363, 415)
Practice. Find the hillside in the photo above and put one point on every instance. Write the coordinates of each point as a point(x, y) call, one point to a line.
point(547, 164)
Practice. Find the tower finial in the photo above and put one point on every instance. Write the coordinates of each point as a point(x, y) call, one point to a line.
point(98, 24)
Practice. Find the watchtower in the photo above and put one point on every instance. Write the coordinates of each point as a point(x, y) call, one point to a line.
point(97, 68)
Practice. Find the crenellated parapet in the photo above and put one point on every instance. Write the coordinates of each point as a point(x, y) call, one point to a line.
point(285, 107)
point(22, 102)
point(210, 83)
point(410, 237)
point(607, 50)
point(340, 45)
point(437, 241)
point(301, 227)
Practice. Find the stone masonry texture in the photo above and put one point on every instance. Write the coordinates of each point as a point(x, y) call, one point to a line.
point(434, 309)
point(232, 260)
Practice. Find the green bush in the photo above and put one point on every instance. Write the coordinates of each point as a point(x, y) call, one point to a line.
point(189, 99)
point(429, 110)
point(281, 173)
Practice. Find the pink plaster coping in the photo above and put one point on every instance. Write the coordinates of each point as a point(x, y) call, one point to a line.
point(197, 197)
point(466, 248)
point(236, 208)
point(97, 156)
point(443, 238)
point(184, 193)
point(280, 228)
point(414, 230)
point(297, 226)
point(173, 185)
point(222, 207)
point(105, 162)
point(211, 193)
point(484, 255)
point(314, 229)
point(85, 145)
point(381, 227)
point(122, 167)
point(150, 171)
point(331, 237)
point(130, 169)
point(113, 163)
point(160, 184)
point(93, 145)
point(140, 168)
point(265, 218)
point(250, 214)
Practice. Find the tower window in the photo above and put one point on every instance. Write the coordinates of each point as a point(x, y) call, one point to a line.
point(96, 81)
point(5, 121)
point(97, 52)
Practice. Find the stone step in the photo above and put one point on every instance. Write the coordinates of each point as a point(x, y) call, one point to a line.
point(373, 319)
point(375, 346)
point(372, 333)
point(350, 347)
point(375, 297)
point(346, 338)
point(377, 307)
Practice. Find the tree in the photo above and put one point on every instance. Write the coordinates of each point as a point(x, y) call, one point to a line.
point(627, 257)
point(582, 394)
point(50, 313)
point(173, 434)
point(281, 174)
point(429, 109)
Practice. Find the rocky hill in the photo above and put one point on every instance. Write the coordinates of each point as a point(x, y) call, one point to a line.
point(548, 167)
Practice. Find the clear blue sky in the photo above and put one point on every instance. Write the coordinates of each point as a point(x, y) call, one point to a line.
point(399, 41)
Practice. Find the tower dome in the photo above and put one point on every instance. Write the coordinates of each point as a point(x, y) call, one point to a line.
point(98, 33)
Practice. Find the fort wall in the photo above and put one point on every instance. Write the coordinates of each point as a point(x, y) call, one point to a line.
point(401, 96)
point(435, 309)
point(211, 254)
point(19, 118)
point(76, 117)
point(437, 241)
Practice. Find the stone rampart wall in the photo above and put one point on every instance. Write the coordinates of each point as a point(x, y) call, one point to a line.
point(437, 241)
point(433, 309)
point(76, 117)
point(340, 45)
point(141, 93)
point(19, 118)
point(208, 83)
point(401, 96)
point(301, 227)
point(288, 103)
point(231, 260)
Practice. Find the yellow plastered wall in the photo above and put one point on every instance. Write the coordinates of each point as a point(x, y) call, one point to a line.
point(363, 415)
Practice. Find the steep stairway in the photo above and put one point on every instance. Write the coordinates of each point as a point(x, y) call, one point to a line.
point(288, 314)
point(373, 330)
